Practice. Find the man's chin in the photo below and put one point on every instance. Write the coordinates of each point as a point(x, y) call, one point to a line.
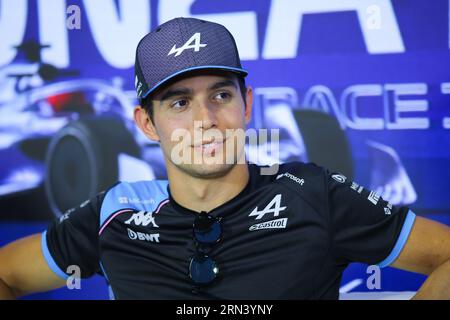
point(208, 166)
point(206, 171)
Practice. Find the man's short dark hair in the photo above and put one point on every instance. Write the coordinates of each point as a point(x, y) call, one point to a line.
point(147, 104)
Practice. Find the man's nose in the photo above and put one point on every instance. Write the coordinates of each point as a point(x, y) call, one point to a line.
point(205, 115)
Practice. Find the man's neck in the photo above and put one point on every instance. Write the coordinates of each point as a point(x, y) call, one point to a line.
point(200, 194)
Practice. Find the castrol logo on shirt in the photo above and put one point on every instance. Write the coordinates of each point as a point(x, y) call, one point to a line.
point(273, 207)
point(273, 224)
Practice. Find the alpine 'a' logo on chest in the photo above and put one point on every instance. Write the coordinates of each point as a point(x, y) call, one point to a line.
point(274, 207)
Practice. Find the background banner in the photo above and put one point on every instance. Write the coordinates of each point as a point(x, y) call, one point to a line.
point(359, 86)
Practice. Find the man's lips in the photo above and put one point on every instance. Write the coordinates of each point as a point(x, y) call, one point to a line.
point(208, 146)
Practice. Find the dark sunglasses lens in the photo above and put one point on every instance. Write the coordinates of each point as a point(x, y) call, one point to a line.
point(207, 230)
point(203, 270)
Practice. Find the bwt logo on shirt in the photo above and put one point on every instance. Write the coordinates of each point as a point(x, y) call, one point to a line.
point(133, 235)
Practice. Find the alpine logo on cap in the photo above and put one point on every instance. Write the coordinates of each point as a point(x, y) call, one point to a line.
point(138, 86)
point(195, 39)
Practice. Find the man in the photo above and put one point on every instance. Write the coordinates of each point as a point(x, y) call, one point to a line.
point(218, 228)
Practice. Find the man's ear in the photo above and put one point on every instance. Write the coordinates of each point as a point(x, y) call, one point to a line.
point(248, 105)
point(144, 123)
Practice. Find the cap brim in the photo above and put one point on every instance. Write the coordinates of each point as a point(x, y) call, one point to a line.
point(188, 70)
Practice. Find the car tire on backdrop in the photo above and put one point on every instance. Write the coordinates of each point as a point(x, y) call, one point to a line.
point(82, 160)
point(326, 142)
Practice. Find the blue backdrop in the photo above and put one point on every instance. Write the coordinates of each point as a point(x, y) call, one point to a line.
point(381, 68)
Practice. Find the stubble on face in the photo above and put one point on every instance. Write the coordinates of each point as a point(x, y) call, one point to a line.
point(202, 161)
point(215, 163)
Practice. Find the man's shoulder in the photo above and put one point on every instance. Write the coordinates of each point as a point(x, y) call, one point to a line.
point(310, 169)
point(307, 180)
point(140, 195)
point(137, 189)
point(140, 187)
point(294, 167)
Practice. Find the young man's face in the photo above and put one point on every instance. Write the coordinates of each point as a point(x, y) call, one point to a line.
point(200, 122)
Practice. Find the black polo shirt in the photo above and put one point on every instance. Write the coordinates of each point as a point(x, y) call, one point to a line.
point(285, 236)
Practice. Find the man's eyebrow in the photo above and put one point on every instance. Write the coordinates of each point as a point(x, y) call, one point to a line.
point(223, 83)
point(184, 91)
point(173, 93)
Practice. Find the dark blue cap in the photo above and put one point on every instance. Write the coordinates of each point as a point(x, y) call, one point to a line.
point(183, 45)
